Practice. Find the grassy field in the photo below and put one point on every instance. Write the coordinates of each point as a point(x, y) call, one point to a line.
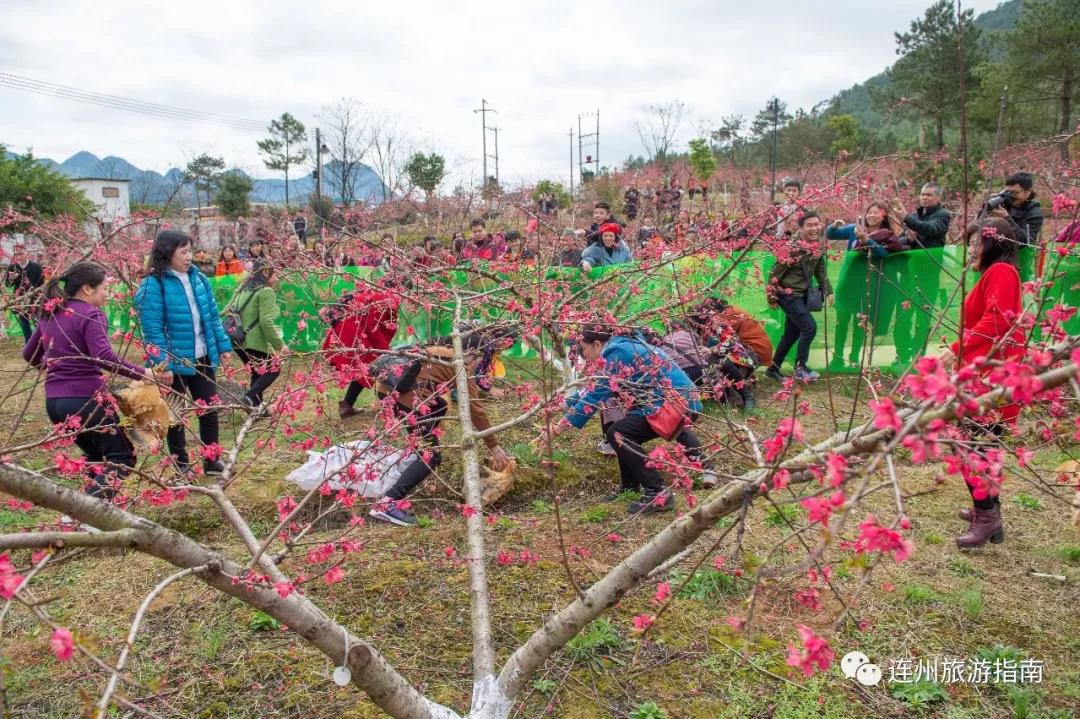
point(205, 656)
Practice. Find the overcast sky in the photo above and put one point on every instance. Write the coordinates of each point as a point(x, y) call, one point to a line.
point(539, 64)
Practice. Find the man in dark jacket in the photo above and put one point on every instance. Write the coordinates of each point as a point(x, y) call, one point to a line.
point(929, 224)
point(1021, 208)
point(601, 216)
point(1024, 215)
point(927, 228)
point(789, 284)
point(24, 276)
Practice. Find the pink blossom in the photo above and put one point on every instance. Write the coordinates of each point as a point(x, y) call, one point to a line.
point(875, 538)
point(809, 598)
point(1062, 204)
point(334, 576)
point(284, 589)
point(818, 509)
point(285, 507)
point(663, 592)
point(815, 652)
point(885, 416)
point(1024, 456)
point(10, 581)
point(835, 465)
point(642, 622)
point(67, 465)
point(505, 558)
point(736, 623)
point(63, 644)
point(781, 478)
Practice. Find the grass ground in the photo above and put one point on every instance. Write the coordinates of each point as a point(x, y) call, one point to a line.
point(211, 657)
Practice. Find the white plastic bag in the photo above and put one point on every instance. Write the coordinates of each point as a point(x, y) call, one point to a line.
point(375, 468)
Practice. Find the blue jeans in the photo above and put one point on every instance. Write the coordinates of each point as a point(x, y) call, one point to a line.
point(799, 326)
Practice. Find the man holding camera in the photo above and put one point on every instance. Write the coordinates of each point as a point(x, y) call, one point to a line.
point(927, 230)
point(1017, 205)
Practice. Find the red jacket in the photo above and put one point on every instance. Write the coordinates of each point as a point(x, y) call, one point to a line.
point(370, 323)
point(990, 313)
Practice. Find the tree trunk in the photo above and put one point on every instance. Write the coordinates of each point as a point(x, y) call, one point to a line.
point(1066, 112)
point(939, 129)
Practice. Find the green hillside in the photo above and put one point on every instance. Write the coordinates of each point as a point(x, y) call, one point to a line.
point(855, 101)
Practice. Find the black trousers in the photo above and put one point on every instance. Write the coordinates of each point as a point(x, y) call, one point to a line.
point(25, 326)
point(201, 385)
point(628, 436)
point(799, 325)
point(428, 416)
point(352, 392)
point(261, 374)
point(696, 373)
point(102, 439)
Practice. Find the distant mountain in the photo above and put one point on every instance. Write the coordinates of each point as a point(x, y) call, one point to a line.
point(855, 101)
point(153, 188)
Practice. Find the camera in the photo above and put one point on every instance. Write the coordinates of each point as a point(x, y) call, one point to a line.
point(996, 201)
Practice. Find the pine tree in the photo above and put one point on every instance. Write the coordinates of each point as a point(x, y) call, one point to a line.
point(285, 147)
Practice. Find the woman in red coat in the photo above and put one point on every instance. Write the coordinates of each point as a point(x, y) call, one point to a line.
point(361, 325)
point(991, 332)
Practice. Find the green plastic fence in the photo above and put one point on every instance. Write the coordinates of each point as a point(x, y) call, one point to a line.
point(886, 309)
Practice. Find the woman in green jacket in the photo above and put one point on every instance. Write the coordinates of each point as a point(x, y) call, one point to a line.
point(256, 301)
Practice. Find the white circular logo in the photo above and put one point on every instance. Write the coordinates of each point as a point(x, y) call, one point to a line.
point(869, 675)
point(851, 663)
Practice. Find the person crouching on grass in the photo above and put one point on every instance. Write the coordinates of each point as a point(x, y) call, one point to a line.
point(663, 403)
point(418, 393)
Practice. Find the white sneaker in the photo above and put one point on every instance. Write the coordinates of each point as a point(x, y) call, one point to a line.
point(605, 449)
point(708, 479)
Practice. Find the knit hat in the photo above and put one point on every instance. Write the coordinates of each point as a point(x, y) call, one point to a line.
point(613, 227)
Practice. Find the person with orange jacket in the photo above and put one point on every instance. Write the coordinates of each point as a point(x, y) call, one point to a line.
point(229, 263)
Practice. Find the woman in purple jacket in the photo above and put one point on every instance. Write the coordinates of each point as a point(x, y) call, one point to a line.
point(71, 343)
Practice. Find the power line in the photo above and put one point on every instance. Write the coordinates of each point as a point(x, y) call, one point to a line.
point(40, 87)
point(72, 93)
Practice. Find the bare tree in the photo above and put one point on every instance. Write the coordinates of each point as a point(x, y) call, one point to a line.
point(657, 131)
point(390, 147)
point(349, 137)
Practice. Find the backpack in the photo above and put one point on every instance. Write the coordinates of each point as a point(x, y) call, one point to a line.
point(397, 371)
point(233, 325)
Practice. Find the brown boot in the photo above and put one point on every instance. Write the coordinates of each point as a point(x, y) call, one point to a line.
point(985, 526)
point(967, 514)
point(346, 410)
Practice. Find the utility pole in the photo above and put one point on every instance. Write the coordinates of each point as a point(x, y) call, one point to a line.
point(589, 141)
point(496, 155)
point(484, 110)
point(772, 162)
point(318, 166)
point(571, 161)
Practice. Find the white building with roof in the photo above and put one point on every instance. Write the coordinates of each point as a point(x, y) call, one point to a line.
point(110, 197)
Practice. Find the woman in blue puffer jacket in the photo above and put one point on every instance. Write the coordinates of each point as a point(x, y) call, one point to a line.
point(181, 326)
point(641, 378)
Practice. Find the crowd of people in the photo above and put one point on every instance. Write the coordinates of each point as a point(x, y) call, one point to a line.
point(647, 383)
